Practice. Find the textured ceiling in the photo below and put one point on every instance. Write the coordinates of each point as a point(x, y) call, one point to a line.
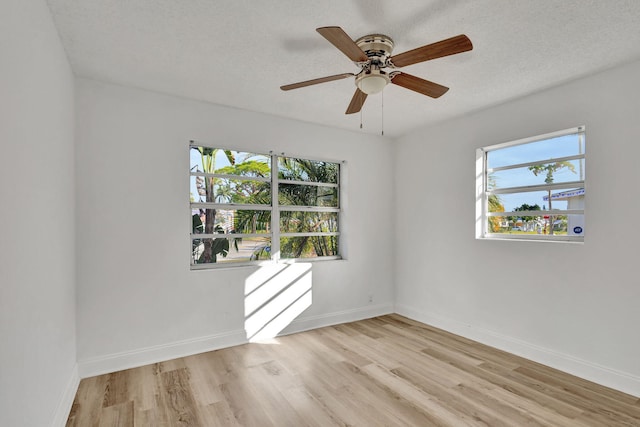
point(238, 53)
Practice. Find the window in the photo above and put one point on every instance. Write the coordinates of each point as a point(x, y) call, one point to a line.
point(533, 189)
point(248, 207)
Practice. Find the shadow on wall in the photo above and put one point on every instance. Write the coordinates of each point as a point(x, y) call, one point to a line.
point(274, 296)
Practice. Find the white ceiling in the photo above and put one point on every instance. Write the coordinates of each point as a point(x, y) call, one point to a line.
point(239, 52)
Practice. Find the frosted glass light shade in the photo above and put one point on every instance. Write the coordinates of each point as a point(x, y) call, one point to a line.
point(372, 83)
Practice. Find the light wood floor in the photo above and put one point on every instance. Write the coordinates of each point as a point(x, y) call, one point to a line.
point(386, 371)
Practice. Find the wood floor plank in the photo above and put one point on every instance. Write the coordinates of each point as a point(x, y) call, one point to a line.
point(150, 417)
point(143, 387)
point(595, 419)
point(538, 392)
point(526, 398)
point(342, 348)
point(313, 412)
point(437, 413)
point(88, 402)
point(333, 403)
point(117, 389)
point(117, 415)
point(619, 402)
point(459, 403)
point(218, 414)
point(385, 399)
point(385, 371)
point(177, 397)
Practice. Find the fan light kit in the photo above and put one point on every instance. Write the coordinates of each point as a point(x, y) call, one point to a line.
point(372, 82)
point(378, 48)
point(372, 53)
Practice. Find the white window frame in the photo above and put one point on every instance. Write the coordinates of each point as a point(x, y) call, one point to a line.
point(483, 193)
point(275, 208)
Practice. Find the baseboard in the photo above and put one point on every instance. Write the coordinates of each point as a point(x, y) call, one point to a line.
point(144, 356)
point(66, 399)
point(336, 318)
point(603, 375)
point(159, 353)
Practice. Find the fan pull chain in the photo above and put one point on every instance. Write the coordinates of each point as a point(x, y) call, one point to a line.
point(382, 115)
point(360, 118)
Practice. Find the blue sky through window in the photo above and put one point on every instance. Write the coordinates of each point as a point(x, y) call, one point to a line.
point(553, 148)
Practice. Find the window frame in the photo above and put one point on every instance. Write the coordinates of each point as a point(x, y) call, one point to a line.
point(483, 192)
point(274, 207)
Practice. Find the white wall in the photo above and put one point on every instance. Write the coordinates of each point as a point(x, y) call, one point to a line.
point(138, 301)
point(573, 306)
point(38, 376)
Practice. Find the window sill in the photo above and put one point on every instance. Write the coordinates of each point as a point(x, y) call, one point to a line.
point(534, 238)
point(254, 264)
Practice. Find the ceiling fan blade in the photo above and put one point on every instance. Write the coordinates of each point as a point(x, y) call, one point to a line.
point(356, 102)
point(419, 85)
point(316, 81)
point(439, 49)
point(337, 37)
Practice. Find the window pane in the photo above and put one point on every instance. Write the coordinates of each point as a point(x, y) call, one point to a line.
point(216, 160)
point(561, 225)
point(538, 175)
point(562, 146)
point(225, 190)
point(301, 222)
point(221, 251)
point(211, 221)
point(544, 223)
point(308, 246)
point(563, 199)
point(308, 170)
point(307, 195)
point(247, 180)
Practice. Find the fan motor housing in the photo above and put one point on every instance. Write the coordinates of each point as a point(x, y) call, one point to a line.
point(376, 46)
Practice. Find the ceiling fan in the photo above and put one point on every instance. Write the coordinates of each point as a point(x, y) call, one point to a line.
point(372, 53)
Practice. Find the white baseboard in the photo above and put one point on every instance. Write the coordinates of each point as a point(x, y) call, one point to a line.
point(320, 321)
point(159, 353)
point(144, 356)
point(603, 375)
point(66, 399)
